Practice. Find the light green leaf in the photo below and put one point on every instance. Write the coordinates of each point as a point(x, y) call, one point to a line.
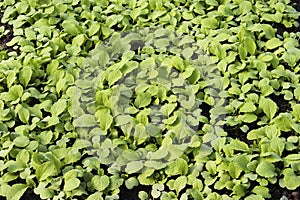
point(154, 164)
point(277, 145)
point(85, 121)
point(24, 114)
point(45, 171)
point(114, 76)
point(94, 28)
point(58, 107)
point(291, 180)
point(78, 40)
point(238, 145)
point(103, 58)
point(16, 191)
point(268, 106)
point(45, 193)
point(122, 120)
point(210, 23)
point(249, 117)
point(143, 100)
point(297, 93)
point(95, 196)
point(72, 27)
point(159, 154)
point(100, 183)
point(71, 184)
point(263, 191)
point(266, 169)
point(131, 183)
point(11, 77)
point(134, 167)
point(177, 63)
point(248, 107)
point(180, 183)
point(242, 52)
point(21, 141)
point(273, 43)
point(104, 117)
point(212, 2)
point(30, 34)
point(135, 13)
point(296, 111)
point(254, 197)
point(250, 45)
point(61, 83)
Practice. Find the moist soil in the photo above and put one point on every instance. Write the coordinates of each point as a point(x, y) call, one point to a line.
point(6, 38)
point(275, 190)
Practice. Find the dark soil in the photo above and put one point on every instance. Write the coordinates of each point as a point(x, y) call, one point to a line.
point(132, 194)
point(277, 192)
point(28, 195)
point(283, 105)
point(6, 38)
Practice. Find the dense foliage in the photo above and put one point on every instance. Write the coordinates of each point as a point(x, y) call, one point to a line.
point(127, 99)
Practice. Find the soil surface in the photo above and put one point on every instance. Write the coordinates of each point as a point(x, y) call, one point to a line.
point(275, 190)
point(6, 38)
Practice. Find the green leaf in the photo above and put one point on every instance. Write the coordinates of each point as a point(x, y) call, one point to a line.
point(277, 145)
point(71, 184)
point(11, 77)
point(250, 45)
point(78, 40)
point(131, 183)
point(24, 114)
point(273, 43)
point(262, 191)
point(100, 183)
point(180, 183)
point(249, 117)
point(104, 117)
point(85, 121)
point(212, 2)
point(266, 169)
point(72, 27)
point(114, 76)
point(16, 191)
point(30, 34)
point(143, 100)
point(238, 145)
point(159, 154)
point(21, 141)
point(95, 196)
point(242, 52)
point(58, 107)
point(268, 106)
point(135, 13)
point(94, 28)
point(103, 58)
point(245, 7)
point(134, 167)
point(177, 63)
point(248, 107)
point(45, 193)
point(122, 120)
point(210, 23)
point(143, 195)
point(291, 180)
point(296, 111)
point(181, 166)
point(254, 197)
point(46, 170)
